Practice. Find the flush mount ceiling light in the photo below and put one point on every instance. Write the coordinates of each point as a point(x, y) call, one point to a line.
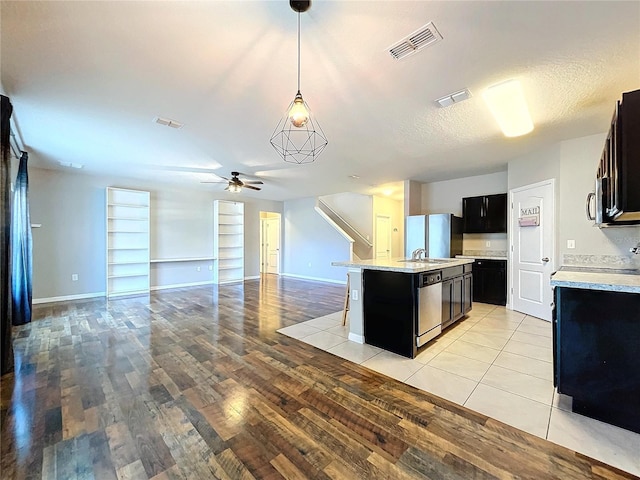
point(509, 107)
point(297, 137)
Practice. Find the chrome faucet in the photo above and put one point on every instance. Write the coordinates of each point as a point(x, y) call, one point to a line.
point(418, 253)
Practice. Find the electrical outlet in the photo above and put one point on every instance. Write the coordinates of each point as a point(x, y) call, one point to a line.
point(488, 243)
point(354, 295)
point(197, 269)
point(210, 268)
point(571, 244)
point(74, 277)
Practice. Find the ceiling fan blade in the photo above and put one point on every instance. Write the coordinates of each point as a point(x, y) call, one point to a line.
point(213, 181)
point(253, 182)
point(251, 187)
point(227, 187)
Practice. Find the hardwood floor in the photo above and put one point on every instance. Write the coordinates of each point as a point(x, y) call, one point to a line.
point(196, 383)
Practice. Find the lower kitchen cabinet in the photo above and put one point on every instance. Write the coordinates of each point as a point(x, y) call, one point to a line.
point(596, 335)
point(467, 295)
point(490, 281)
point(456, 294)
point(390, 311)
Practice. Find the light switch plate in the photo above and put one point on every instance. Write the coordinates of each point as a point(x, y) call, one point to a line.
point(354, 295)
point(571, 244)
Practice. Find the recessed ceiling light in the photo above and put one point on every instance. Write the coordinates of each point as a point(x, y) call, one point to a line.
point(71, 164)
point(355, 177)
point(509, 107)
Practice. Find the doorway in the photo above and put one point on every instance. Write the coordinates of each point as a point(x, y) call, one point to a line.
point(532, 248)
point(270, 242)
point(383, 236)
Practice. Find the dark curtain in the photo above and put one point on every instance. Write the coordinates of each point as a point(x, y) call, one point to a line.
point(6, 354)
point(21, 247)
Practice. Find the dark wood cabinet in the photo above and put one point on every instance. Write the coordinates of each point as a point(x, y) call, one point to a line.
point(456, 294)
point(390, 311)
point(467, 293)
point(447, 301)
point(485, 214)
point(620, 162)
point(490, 281)
point(596, 336)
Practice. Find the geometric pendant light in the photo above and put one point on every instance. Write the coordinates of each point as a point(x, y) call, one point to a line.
point(297, 137)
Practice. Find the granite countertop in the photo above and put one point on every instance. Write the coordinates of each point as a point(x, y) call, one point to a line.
point(401, 265)
point(608, 279)
point(482, 257)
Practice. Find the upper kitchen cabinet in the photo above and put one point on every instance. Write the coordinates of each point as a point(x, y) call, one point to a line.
point(485, 214)
point(618, 175)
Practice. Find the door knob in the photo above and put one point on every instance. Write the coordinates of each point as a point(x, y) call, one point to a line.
point(545, 259)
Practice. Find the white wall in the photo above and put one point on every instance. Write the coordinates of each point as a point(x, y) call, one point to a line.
point(412, 197)
point(446, 196)
point(573, 163)
point(535, 167)
point(312, 244)
point(579, 161)
point(71, 208)
point(355, 208)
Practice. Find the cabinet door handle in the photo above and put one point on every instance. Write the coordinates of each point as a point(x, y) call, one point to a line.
point(545, 259)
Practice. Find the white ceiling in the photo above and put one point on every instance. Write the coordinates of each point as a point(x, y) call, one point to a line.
point(86, 78)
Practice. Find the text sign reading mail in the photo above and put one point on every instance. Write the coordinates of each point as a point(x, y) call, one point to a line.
point(529, 217)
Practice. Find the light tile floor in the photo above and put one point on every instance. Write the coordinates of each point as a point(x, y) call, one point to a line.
point(497, 362)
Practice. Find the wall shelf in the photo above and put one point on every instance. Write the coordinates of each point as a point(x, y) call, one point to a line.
point(228, 237)
point(127, 232)
point(188, 259)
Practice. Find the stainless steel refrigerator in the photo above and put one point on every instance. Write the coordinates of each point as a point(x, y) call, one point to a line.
point(440, 234)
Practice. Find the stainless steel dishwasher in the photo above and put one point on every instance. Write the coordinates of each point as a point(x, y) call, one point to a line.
point(429, 306)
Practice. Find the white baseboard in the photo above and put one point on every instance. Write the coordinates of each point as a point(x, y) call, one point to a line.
point(181, 285)
point(356, 338)
point(254, 277)
point(65, 298)
point(315, 279)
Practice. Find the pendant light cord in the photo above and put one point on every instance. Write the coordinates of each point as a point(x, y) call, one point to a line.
point(298, 51)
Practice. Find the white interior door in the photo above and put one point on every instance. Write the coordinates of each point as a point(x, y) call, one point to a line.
point(273, 245)
point(532, 262)
point(383, 236)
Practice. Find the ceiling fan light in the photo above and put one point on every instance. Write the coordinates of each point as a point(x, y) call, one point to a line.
point(233, 188)
point(298, 114)
point(509, 107)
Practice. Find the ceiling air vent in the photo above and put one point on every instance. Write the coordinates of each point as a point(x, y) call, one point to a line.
point(452, 98)
point(423, 37)
point(168, 122)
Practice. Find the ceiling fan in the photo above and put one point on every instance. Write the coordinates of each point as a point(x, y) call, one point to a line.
point(235, 185)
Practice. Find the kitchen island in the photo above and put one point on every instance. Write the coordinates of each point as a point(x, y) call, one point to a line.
point(399, 304)
point(596, 338)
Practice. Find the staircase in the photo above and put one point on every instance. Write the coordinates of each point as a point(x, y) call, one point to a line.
point(360, 246)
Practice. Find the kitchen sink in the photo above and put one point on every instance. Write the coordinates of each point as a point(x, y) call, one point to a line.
point(424, 260)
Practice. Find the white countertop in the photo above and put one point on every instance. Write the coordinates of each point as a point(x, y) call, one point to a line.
point(598, 279)
point(481, 257)
point(401, 265)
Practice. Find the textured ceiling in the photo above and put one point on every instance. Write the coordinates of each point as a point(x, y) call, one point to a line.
point(87, 78)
